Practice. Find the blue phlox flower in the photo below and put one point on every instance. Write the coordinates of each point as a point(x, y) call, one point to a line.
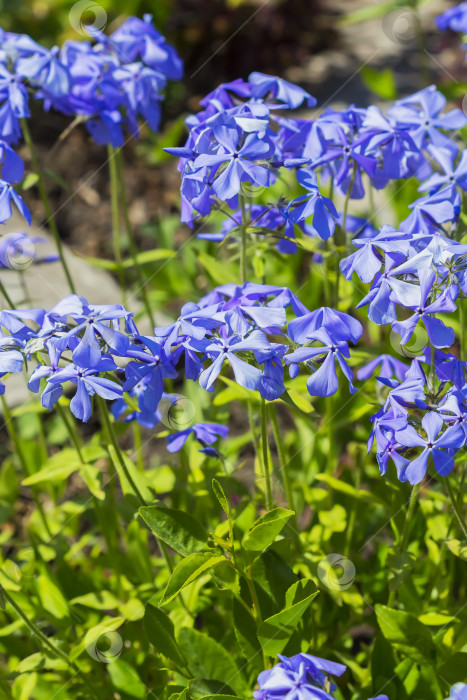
point(45, 69)
point(88, 383)
point(9, 196)
point(12, 166)
point(383, 135)
point(300, 677)
point(219, 351)
point(454, 18)
point(97, 321)
point(239, 160)
point(138, 39)
point(291, 95)
point(421, 112)
point(454, 173)
point(341, 326)
point(205, 433)
point(323, 381)
point(439, 447)
point(315, 205)
point(391, 450)
point(432, 210)
point(440, 335)
point(193, 322)
point(388, 367)
point(404, 395)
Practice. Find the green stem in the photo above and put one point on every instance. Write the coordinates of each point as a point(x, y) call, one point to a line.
point(456, 507)
point(6, 296)
point(104, 412)
point(283, 465)
point(138, 445)
point(131, 238)
point(46, 202)
point(243, 248)
point(14, 437)
point(114, 197)
point(265, 450)
point(71, 432)
point(353, 512)
point(45, 641)
point(118, 452)
point(339, 236)
point(402, 546)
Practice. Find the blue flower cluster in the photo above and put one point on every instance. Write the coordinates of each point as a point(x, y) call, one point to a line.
point(256, 330)
point(300, 677)
point(241, 142)
point(110, 85)
point(416, 275)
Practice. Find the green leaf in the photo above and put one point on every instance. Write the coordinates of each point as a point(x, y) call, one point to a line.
point(101, 600)
point(177, 529)
point(148, 256)
point(208, 659)
point(458, 548)
point(144, 258)
point(348, 489)
point(371, 12)
point(265, 530)
point(221, 497)
point(381, 83)
point(29, 181)
point(454, 669)
point(57, 468)
point(125, 678)
point(406, 634)
point(51, 597)
point(275, 631)
point(160, 630)
point(205, 688)
point(218, 273)
point(188, 570)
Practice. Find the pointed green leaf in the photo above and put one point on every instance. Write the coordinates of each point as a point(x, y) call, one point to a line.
point(265, 530)
point(406, 634)
point(275, 632)
point(221, 497)
point(177, 529)
point(208, 659)
point(160, 630)
point(188, 570)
